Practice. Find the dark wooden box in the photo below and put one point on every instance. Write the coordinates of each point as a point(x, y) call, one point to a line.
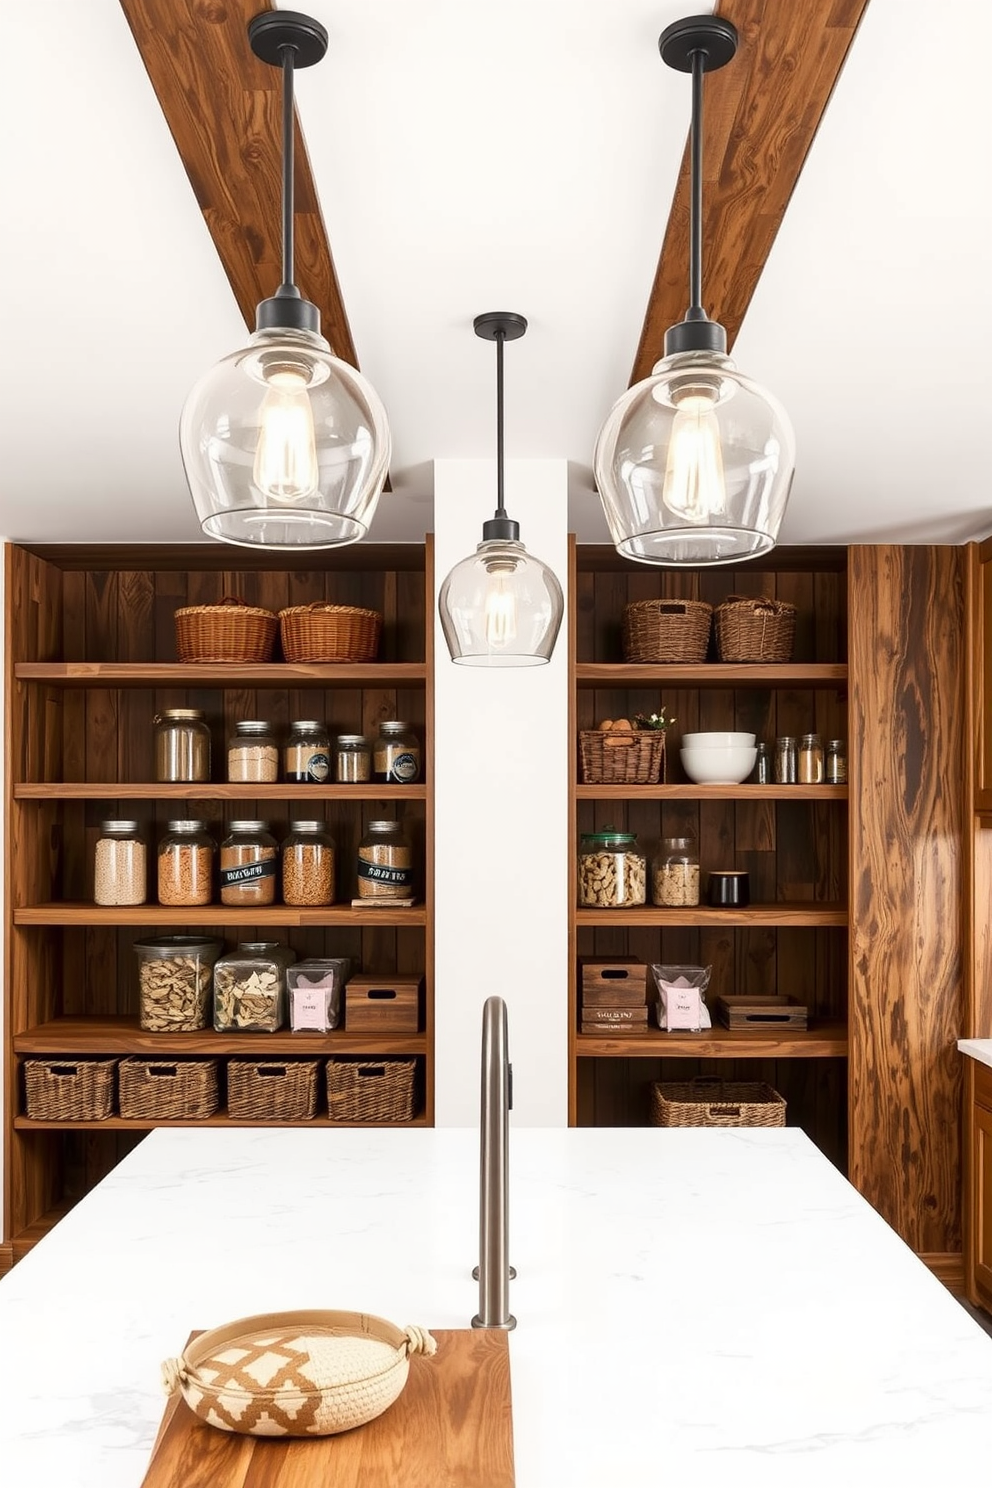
point(384, 1004)
point(621, 982)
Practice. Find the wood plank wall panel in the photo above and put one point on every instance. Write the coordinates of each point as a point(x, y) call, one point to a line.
point(906, 617)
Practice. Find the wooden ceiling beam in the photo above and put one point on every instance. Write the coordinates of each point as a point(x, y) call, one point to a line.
point(760, 116)
point(224, 108)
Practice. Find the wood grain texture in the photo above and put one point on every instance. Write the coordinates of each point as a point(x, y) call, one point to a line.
point(760, 117)
point(117, 1033)
point(906, 615)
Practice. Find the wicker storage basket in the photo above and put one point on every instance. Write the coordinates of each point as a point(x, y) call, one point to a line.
point(267, 1089)
point(666, 630)
point(709, 1102)
point(326, 632)
point(230, 631)
point(754, 629)
point(371, 1090)
point(162, 1091)
point(616, 757)
point(69, 1089)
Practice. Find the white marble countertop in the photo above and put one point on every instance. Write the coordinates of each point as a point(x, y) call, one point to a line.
point(980, 1049)
point(695, 1307)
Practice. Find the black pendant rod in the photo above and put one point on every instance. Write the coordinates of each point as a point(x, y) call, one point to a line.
point(288, 154)
point(696, 184)
point(500, 507)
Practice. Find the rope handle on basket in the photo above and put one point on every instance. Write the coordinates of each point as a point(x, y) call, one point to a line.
point(772, 606)
point(419, 1341)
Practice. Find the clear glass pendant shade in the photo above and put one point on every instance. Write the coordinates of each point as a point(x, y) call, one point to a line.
point(694, 464)
point(501, 607)
point(285, 446)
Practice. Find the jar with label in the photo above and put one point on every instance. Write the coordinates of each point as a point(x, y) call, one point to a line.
point(252, 753)
point(119, 864)
point(182, 746)
point(354, 759)
point(835, 767)
point(186, 863)
point(785, 760)
point(308, 864)
point(248, 864)
point(250, 987)
point(396, 754)
point(385, 862)
point(810, 760)
point(612, 870)
point(307, 755)
point(675, 872)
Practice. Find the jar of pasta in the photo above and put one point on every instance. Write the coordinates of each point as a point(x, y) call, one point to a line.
point(308, 864)
point(675, 872)
point(385, 862)
point(248, 865)
point(612, 870)
point(186, 864)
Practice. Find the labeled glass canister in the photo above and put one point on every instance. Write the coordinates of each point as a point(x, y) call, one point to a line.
point(353, 763)
point(248, 861)
point(810, 760)
point(308, 860)
point(612, 870)
point(185, 860)
point(120, 864)
point(182, 746)
point(675, 872)
point(396, 754)
point(835, 765)
point(307, 755)
point(252, 753)
point(385, 862)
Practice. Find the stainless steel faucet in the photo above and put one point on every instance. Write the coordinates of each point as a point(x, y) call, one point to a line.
point(494, 1270)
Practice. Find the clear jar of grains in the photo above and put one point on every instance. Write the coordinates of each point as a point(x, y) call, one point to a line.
point(675, 872)
point(354, 759)
point(308, 860)
point(248, 864)
point(186, 863)
point(385, 862)
point(182, 746)
point(119, 864)
point(252, 753)
point(612, 870)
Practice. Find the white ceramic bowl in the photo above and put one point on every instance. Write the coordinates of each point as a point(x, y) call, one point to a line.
point(711, 740)
point(728, 764)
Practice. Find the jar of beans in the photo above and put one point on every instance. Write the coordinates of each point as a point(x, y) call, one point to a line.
point(248, 857)
point(385, 862)
point(186, 863)
point(612, 870)
point(308, 864)
point(119, 863)
point(252, 753)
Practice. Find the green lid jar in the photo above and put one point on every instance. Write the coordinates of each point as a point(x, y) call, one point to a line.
point(612, 870)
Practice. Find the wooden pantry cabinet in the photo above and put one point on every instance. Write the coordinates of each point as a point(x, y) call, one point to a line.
point(90, 659)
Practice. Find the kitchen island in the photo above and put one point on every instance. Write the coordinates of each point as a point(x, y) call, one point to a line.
point(695, 1307)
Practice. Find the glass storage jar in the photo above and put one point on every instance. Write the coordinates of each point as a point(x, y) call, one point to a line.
point(675, 872)
point(182, 746)
point(252, 753)
point(250, 987)
point(308, 862)
point(307, 755)
point(354, 759)
point(835, 765)
point(785, 760)
point(175, 982)
point(809, 764)
point(119, 864)
point(612, 869)
point(396, 754)
point(248, 864)
point(385, 862)
point(186, 863)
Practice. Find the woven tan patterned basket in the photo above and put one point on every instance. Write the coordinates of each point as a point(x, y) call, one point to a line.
point(155, 1089)
point(706, 1102)
point(754, 629)
point(69, 1089)
point(370, 1090)
point(231, 631)
point(326, 632)
point(666, 630)
point(265, 1089)
point(616, 757)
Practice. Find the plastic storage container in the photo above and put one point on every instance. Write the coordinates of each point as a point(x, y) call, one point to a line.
point(248, 863)
point(612, 870)
point(308, 864)
point(315, 993)
point(186, 863)
point(250, 988)
point(120, 864)
point(175, 982)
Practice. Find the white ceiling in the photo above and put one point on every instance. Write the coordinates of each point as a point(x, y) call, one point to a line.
point(517, 155)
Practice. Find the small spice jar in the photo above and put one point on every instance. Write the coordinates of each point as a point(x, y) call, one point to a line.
point(307, 755)
point(182, 746)
point(354, 759)
point(396, 754)
point(250, 987)
point(810, 760)
point(248, 864)
point(835, 764)
point(119, 864)
point(308, 864)
point(252, 753)
point(675, 872)
point(785, 760)
point(186, 863)
point(612, 869)
point(385, 862)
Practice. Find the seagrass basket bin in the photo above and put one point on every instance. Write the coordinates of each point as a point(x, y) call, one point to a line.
point(328, 632)
point(270, 1090)
point(160, 1090)
point(709, 1102)
point(666, 630)
point(371, 1090)
point(69, 1089)
point(616, 757)
point(231, 631)
point(754, 629)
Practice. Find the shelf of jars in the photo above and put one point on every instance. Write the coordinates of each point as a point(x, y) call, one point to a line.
point(296, 795)
point(84, 913)
point(728, 674)
point(690, 792)
point(801, 912)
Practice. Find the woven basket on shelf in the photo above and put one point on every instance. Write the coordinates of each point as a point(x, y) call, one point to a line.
point(230, 631)
point(618, 757)
point(370, 1090)
point(327, 632)
point(155, 1089)
point(265, 1089)
point(666, 630)
point(754, 629)
point(69, 1089)
point(711, 1102)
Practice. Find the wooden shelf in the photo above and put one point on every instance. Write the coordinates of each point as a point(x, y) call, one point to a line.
point(115, 790)
point(118, 1034)
point(215, 914)
point(805, 913)
point(689, 792)
point(606, 674)
point(822, 1041)
point(201, 674)
point(120, 1123)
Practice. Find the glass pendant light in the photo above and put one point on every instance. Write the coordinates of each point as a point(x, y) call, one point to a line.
point(284, 444)
point(501, 607)
point(694, 464)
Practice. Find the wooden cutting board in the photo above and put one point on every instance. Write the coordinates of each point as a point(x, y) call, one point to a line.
point(450, 1428)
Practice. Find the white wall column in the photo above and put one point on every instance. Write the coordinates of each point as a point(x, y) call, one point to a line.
point(501, 876)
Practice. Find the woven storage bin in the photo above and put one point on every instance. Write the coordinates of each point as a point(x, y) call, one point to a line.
point(616, 757)
point(754, 629)
point(706, 1102)
point(69, 1089)
point(666, 630)
point(269, 1089)
point(371, 1090)
point(230, 631)
point(165, 1091)
point(326, 632)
